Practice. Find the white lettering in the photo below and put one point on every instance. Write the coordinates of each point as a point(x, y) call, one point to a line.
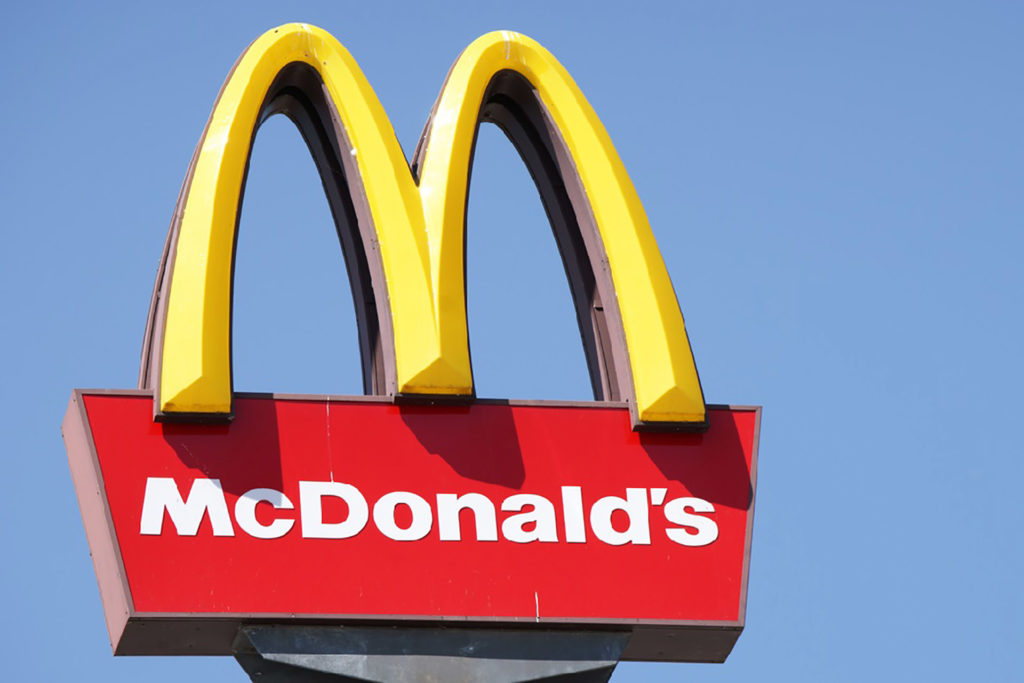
point(542, 517)
point(707, 529)
point(384, 516)
point(613, 520)
point(635, 507)
point(572, 510)
point(311, 495)
point(448, 522)
point(206, 496)
point(245, 513)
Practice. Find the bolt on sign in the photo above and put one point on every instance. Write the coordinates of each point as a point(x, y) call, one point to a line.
point(416, 504)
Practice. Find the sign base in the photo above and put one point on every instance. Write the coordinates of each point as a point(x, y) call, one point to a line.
point(412, 655)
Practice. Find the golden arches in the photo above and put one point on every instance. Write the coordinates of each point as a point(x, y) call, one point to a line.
point(417, 224)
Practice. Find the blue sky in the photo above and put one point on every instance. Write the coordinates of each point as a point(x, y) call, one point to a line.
point(836, 190)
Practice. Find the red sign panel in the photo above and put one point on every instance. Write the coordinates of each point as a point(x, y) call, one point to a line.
point(356, 510)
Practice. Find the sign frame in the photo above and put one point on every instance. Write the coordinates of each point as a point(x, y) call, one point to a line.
point(133, 632)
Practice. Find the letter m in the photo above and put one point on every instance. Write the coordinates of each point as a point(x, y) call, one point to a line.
point(205, 497)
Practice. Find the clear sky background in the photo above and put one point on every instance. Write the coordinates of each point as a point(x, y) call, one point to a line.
point(837, 192)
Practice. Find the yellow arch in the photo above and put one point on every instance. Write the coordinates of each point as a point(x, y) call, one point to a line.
point(419, 226)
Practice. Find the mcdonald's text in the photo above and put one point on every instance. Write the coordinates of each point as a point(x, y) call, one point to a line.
point(407, 516)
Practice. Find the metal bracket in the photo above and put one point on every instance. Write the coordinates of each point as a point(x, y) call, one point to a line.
point(331, 654)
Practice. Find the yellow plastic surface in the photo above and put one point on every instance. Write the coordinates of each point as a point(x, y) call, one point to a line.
point(419, 227)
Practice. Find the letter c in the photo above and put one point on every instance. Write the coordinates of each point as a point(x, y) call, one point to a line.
point(245, 513)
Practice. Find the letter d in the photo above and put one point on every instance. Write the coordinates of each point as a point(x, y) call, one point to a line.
point(635, 507)
point(311, 495)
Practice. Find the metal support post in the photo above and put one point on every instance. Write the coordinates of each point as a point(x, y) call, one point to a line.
point(322, 654)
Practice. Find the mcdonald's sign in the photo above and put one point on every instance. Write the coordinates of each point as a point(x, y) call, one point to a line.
point(417, 503)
